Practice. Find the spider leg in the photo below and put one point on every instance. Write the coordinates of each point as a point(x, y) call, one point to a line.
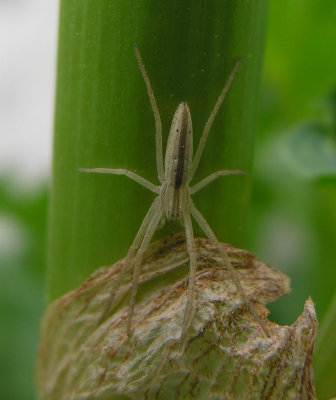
point(191, 291)
point(158, 125)
point(210, 234)
point(208, 125)
point(152, 226)
point(127, 263)
point(135, 177)
point(200, 185)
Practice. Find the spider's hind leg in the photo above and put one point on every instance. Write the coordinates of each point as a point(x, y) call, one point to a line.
point(127, 263)
point(190, 307)
point(210, 234)
point(152, 226)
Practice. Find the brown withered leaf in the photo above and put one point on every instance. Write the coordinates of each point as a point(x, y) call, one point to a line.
point(226, 354)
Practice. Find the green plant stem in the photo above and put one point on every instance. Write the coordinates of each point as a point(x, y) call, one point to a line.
point(103, 119)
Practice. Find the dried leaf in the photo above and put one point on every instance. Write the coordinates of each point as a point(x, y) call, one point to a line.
point(226, 354)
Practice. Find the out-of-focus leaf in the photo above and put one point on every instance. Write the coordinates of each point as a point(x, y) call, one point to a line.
point(310, 150)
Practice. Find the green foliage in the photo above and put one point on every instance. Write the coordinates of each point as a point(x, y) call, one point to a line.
point(293, 222)
point(22, 263)
point(325, 355)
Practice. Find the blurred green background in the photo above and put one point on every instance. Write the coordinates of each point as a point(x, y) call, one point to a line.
point(293, 207)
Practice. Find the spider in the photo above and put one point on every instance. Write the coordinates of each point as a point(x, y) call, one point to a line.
point(173, 199)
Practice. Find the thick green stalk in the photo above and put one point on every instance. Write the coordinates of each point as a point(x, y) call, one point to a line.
point(103, 118)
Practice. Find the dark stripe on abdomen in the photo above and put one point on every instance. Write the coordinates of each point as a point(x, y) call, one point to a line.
point(182, 150)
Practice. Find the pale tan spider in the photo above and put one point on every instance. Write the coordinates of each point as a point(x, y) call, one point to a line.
point(173, 198)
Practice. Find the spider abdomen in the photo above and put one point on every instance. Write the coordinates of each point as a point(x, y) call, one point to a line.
point(179, 148)
point(177, 163)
